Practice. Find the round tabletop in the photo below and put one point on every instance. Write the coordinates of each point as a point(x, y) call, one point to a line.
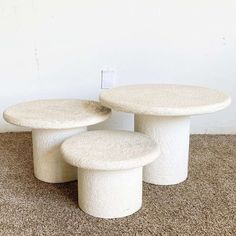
point(164, 100)
point(56, 114)
point(109, 150)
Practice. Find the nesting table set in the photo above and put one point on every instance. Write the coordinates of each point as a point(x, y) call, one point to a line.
point(109, 164)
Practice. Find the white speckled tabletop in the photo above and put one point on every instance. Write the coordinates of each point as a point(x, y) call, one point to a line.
point(164, 100)
point(56, 114)
point(110, 150)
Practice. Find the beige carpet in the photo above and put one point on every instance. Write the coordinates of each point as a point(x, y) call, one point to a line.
point(203, 205)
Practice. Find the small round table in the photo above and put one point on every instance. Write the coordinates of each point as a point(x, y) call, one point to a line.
point(53, 121)
point(110, 165)
point(163, 112)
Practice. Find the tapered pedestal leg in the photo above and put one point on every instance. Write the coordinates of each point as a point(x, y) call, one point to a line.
point(172, 134)
point(48, 163)
point(110, 194)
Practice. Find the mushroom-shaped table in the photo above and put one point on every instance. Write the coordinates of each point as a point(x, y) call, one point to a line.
point(110, 167)
point(53, 121)
point(163, 112)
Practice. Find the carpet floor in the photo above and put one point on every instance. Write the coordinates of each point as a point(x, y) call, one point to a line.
point(205, 204)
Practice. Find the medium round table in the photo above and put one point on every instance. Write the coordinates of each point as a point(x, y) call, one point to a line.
point(53, 121)
point(163, 112)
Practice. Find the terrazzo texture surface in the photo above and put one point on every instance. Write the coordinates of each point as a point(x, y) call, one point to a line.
point(203, 205)
point(164, 99)
point(56, 113)
point(110, 150)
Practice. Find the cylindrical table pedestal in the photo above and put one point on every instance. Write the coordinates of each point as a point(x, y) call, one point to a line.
point(172, 134)
point(48, 163)
point(110, 194)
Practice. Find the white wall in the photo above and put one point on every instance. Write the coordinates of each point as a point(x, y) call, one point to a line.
point(57, 48)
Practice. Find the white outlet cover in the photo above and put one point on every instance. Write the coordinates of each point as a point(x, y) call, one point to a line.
point(108, 79)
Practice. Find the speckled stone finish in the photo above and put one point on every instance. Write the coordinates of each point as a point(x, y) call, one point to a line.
point(164, 100)
point(52, 122)
point(110, 150)
point(110, 170)
point(163, 112)
point(56, 114)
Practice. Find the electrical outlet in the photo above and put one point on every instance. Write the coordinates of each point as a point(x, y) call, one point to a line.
point(108, 79)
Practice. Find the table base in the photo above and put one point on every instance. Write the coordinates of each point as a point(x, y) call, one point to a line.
point(172, 134)
point(110, 194)
point(48, 163)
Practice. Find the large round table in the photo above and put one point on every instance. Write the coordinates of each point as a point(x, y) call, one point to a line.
point(53, 121)
point(163, 112)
